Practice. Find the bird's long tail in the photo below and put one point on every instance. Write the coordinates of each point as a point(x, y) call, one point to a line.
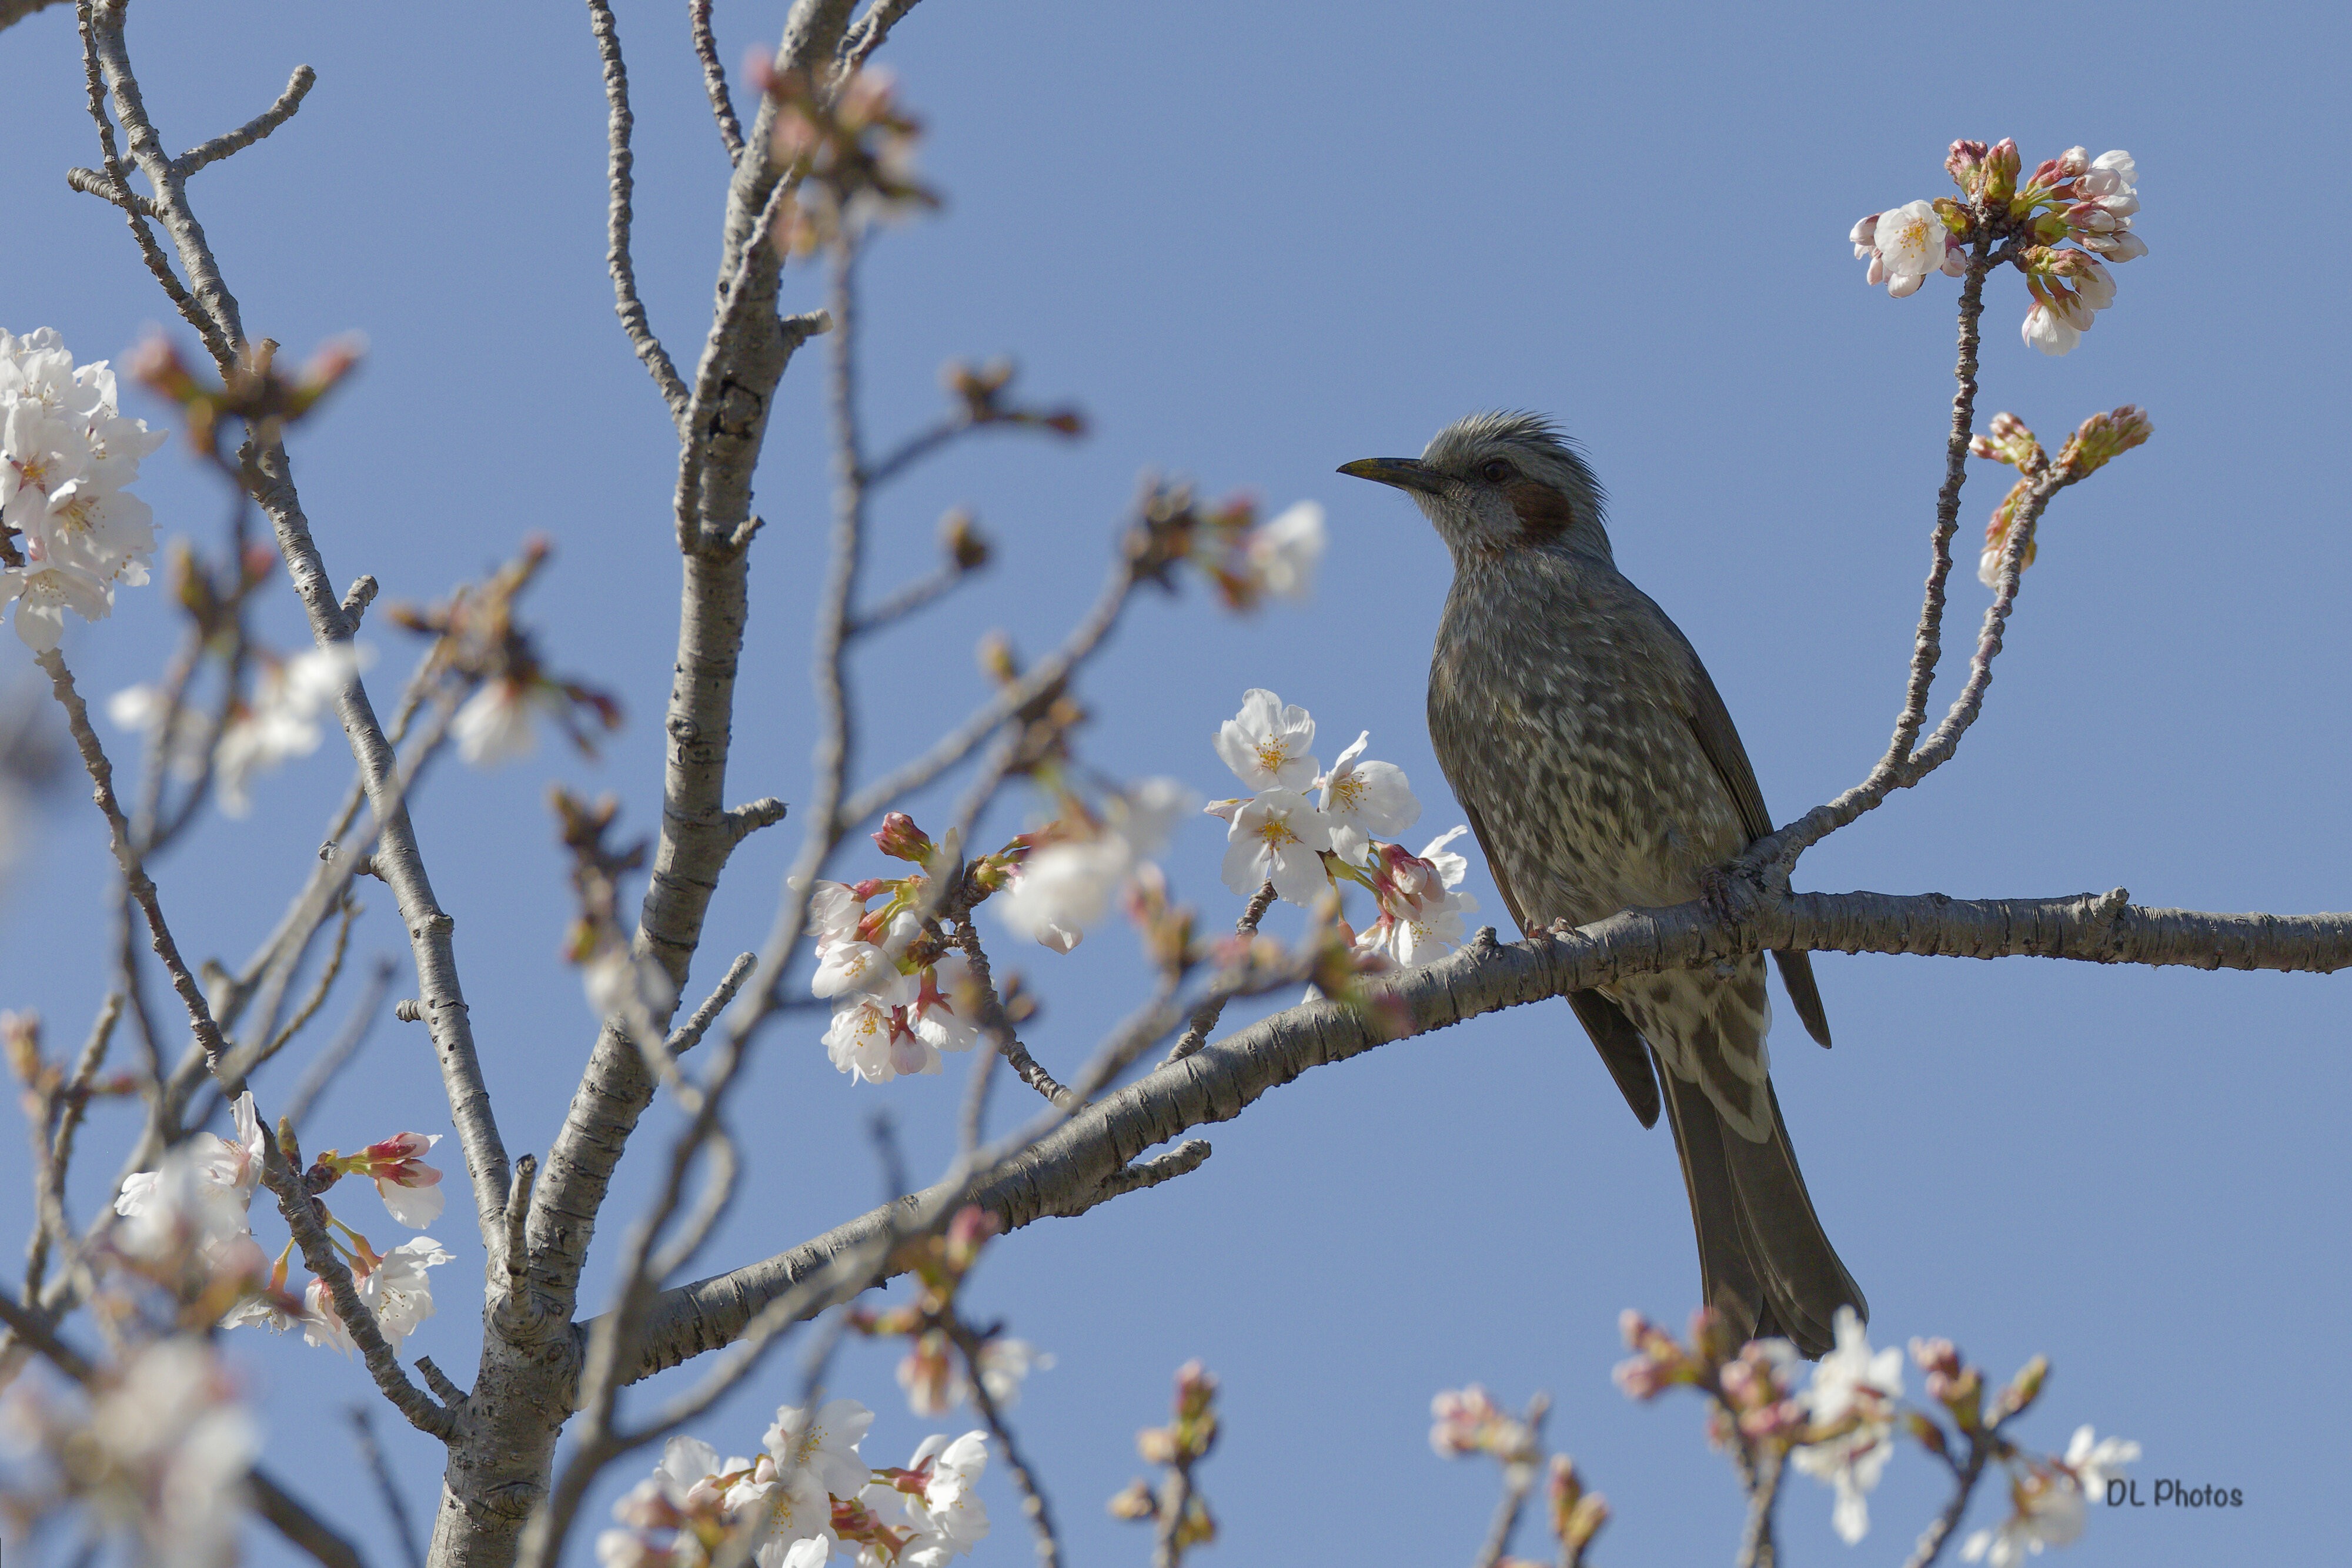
point(1764, 1262)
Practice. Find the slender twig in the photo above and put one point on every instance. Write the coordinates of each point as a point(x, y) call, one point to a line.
point(967, 736)
point(395, 1505)
point(619, 216)
point(690, 1034)
point(297, 87)
point(1034, 1506)
point(923, 591)
point(714, 79)
point(1760, 1471)
point(126, 857)
point(1966, 1474)
point(138, 209)
point(992, 1019)
point(50, 1225)
point(1196, 1034)
point(867, 33)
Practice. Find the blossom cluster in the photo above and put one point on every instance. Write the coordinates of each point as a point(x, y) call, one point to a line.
point(188, 1221)
point(1178, 1446)
point(2061, 226)
point(851, 149)
point(275, 720)
point(159, 1446)
point(1307, 828)
point(1841, 1428)
point(480, 640)
point(69, 527)
point(1246, 559)
point(1467, 1421)
point(808, 1494)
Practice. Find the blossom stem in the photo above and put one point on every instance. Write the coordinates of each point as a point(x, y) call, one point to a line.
point(1032, 1498)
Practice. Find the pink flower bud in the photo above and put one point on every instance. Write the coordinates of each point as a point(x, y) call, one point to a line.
point(900, 840)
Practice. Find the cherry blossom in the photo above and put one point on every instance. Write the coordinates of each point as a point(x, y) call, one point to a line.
point(70, 529)
point(2048, 1511)
point(393, 1287)
point(787, 1510)
point(495, 725)
point(1284, 550)
point(824, 1442)
point(1851, 1382)
point(1903, 245)
point(946, 1515)
point(945, 1012)
point(1278, 837)
point(1421, 906)
point(1064, 887)
point(411, 1189)
point(1363, 799)
point(2096, 1461)
point(1266, 744)
point(871, 1038)
point(193, 1204)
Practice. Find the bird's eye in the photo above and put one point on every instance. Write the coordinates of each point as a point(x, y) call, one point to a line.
point(1496, 471)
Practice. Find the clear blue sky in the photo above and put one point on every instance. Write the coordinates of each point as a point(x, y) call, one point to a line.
point(1255, 243)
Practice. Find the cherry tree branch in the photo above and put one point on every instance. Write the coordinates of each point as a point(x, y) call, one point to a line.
point(1065, 1167)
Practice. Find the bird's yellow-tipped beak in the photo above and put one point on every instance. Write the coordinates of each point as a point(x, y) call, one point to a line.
point(1405, 472)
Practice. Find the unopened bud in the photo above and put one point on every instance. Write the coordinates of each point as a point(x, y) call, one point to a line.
point(1965, 163)
point(2002, 165)
point(961, 538)
point(996, 659)
point(1133, 1502)
point(2026, 1386)
point(900, 840)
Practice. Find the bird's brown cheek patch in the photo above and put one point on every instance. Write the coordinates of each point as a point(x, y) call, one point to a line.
point(1542, 511)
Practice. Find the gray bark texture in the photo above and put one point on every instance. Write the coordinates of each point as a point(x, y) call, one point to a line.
point(521, 1397)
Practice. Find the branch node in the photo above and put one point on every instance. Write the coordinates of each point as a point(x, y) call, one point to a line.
point(409, 1010)
point(742, 822)
point(355, 602)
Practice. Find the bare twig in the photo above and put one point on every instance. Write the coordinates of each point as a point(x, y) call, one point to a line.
point(126, 856)
point(1966, 1474)
point(618, 215)
point(1196, 1034)
point(395, 1505)
point(297, 87)
point(992, 1019)
point(923, 591)
point(714, 79)
point(868, 32)
point(690, 1034)
point(138, 209)
point(92, 183)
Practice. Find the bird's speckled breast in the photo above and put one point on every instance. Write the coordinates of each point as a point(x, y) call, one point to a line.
point(1556, 707)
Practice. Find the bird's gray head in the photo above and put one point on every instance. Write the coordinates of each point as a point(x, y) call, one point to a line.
point(1493, 483)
